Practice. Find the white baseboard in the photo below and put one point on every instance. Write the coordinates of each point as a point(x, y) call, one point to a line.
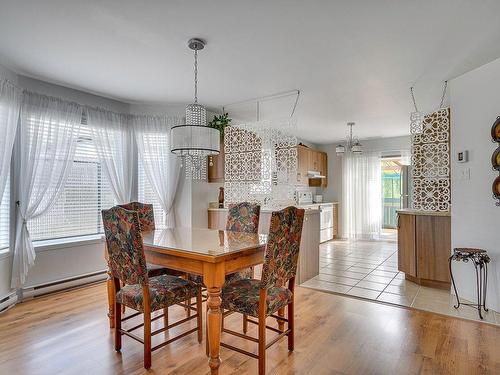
point(8, 301)
point(54, 286)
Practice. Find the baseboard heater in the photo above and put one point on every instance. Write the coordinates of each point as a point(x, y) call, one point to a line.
point(8, 301)
point(68, 283)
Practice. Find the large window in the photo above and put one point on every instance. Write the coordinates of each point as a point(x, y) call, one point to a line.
point(5, 218)
point(77, 211)
point(147, 195)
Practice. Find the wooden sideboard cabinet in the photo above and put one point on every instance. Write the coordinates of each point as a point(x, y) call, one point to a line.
point(424, 246)
point(308, 266)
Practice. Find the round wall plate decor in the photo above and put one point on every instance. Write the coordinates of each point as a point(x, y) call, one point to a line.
point(495, 130)
point(496, 188)
point(495, 159)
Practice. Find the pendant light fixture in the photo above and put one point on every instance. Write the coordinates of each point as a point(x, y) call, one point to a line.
point(352, 143)
point(194, 140)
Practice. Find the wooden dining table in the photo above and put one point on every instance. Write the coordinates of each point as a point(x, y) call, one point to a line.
point(212, 254)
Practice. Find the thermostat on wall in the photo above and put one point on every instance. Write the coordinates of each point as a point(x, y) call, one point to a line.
point(463, 156)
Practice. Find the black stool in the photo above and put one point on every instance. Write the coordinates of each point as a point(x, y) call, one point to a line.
point(480, 260)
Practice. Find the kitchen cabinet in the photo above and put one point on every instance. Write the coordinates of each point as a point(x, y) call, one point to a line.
point(215, 166)
point(311, 160)
point(424, 245)
point(308, 266)
point(303, 162)
point(407, 256)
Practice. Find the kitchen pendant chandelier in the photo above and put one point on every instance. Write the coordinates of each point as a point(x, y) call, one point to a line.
point(194, 140)
point(352, 144)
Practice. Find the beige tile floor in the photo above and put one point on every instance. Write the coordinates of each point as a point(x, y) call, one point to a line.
point(369, 269)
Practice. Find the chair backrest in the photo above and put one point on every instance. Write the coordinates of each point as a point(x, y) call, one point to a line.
point(243, 217)
point(125, 248)
point(146, 214)
point(282, 251)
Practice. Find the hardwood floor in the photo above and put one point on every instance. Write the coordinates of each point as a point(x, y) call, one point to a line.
point(68, 333)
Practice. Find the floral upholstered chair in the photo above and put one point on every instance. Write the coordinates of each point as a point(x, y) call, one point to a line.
point(242, 217)
point(147, 224)
point(145, 212)
point(140, 292)
point(263, 298)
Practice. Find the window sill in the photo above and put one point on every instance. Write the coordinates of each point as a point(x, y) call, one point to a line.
point(62, 243)
point(5, 253)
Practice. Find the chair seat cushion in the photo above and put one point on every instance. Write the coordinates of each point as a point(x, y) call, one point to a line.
point(164, 291)
point(243, 296)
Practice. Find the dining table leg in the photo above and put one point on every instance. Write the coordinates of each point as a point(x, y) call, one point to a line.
point(213, 278)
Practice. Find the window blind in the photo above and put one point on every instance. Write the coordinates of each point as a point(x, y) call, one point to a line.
point(147, 195)
point(5, 217)
point(77, 210)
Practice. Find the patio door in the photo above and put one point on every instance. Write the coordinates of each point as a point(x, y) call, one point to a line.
point(394, 177)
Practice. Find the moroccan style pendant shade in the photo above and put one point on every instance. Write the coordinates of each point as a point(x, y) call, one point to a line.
point(195, 139)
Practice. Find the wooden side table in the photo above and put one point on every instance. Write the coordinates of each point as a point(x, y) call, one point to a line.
point(480, 259)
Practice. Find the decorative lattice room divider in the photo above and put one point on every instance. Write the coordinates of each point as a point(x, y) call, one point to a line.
point(260, 163)
point(431, 172)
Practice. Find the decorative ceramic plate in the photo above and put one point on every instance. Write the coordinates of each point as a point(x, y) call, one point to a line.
point(496, 187)
point(495, 159)
point(495, 130)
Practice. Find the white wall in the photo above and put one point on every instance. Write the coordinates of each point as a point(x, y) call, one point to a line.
point(475, 220)
point(384, 145)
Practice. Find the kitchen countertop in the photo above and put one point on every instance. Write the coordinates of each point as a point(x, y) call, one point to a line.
point(408, 211)
point(309, 209)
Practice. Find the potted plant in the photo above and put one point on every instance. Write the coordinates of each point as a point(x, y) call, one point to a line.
point(220, 122)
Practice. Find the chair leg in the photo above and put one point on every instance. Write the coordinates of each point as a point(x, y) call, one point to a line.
point(188, 310)
point(147, 339)
point(245, 323)
point(122, 284)
point(262, 344)
point(118, 326)
point(281, 324)
point(199, 312)
point(111, 300)
point(165, 316)
point(291, 327)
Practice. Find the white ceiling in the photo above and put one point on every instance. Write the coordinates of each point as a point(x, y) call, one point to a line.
point(352, 60)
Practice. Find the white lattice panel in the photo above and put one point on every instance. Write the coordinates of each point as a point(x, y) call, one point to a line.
point(260, 163)
point(431, 163)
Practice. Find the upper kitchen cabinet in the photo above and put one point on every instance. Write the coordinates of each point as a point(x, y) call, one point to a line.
point(215, 166)
point(311, 160)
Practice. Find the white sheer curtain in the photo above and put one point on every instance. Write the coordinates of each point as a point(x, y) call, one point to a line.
point(48, 135)
point(362, 196)
point(10, 103)
point(162, 168)
point(112, 136)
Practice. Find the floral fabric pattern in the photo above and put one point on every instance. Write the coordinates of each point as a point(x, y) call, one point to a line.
point(164, 291)
point(243, 296)
point(282, 251)
point(125, 248)
point(247, 273)
point(147, 222)
point(145, 212)
point(242, 217)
